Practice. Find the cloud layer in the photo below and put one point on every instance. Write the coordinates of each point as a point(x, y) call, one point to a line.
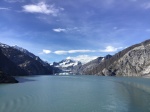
point(59, 30)
point(83, 58)
point(111, 49)
point(60, 52)
point(45, 51)
point(108, 49)
point(73, 28)
point(42, 8)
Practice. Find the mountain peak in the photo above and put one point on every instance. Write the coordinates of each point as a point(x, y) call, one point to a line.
point(4, 45)
point(25, 60)
point(19, 48)
point(66, 63)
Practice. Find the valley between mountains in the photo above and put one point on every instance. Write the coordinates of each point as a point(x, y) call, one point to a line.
point(132, 61)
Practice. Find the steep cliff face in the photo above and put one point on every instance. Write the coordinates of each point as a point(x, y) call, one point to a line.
point(133, 61)
point(38, 59)
point(8, 67)
point(24, 61)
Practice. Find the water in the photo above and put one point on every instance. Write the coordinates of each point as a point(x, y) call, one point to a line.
point(76, 94)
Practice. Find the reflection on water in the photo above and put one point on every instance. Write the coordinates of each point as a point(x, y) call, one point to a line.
point(76, 94)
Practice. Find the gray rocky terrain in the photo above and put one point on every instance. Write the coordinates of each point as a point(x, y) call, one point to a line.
point(132, 61)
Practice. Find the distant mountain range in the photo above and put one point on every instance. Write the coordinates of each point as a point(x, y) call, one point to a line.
point(132, 61)
point(76, 67)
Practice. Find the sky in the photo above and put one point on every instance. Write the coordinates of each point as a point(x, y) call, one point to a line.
point(74, 29)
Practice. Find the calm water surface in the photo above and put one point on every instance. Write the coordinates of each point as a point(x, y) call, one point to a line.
point(76, 94)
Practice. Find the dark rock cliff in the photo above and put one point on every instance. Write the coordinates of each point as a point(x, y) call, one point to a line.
point(24, 61)
point(8, 67)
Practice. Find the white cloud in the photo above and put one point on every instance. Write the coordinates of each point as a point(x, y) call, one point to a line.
point(45, 51)
point(146, 5)
point(60, 52)
point(4, 8)
point(83, 58)
point(41, 8)
point(80, 51)
point(67, 30)
point(111, 49)
point(107, 49)
point(59, 30)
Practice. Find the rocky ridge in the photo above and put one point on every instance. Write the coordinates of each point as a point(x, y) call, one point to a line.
point(82, 69)
point(132, 61)
point(24, 60)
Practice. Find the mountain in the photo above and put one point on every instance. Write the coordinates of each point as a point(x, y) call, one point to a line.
point(31, 55)
point(81, 69)
point(26, 61)
point(44, 63)
point(66, 65)
point(132, 61)
point(24, 51)
point(8, 67)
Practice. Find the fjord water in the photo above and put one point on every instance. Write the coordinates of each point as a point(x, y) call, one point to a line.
point(76, 94)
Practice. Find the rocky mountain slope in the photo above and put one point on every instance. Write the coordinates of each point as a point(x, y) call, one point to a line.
point(132, 61)
point(8, 67)
point(27, 63)
point(66, 65)
point(81, 69)
point(44, 63)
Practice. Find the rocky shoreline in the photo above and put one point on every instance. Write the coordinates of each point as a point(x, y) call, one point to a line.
point(7, 79)
point(146, 76)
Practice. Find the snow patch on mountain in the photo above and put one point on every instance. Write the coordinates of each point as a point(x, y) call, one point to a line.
point(66, 63)
point(83, 58)
point(4, 45)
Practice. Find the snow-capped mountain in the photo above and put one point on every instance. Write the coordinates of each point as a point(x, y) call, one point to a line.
point(44, 63)
point(24, 51)
point(4, 45)
point(23, 63)
point(66, 63)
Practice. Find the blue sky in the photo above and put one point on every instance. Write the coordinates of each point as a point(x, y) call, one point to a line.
point(76, 29)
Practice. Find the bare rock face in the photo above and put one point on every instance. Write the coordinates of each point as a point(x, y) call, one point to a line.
point(82, 69)
point(133, 61)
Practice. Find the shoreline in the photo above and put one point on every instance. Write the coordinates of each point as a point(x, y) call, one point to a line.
point(146, 76)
